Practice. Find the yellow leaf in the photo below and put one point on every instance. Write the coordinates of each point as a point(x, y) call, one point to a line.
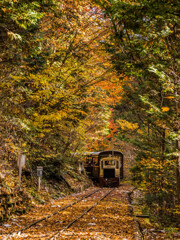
point(169, 97)
point(165, 109)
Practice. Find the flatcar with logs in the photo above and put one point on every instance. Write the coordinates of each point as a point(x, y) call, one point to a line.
point(105, 167)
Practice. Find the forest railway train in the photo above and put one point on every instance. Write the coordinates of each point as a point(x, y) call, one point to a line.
point(105, 167)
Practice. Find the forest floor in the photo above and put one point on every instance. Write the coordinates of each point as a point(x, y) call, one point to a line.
point(98, 217)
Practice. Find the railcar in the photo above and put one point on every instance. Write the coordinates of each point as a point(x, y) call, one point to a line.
point(105, 167)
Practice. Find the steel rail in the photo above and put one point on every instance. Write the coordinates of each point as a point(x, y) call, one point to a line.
point(58, 232)
point(45, 218)
point(60, 210)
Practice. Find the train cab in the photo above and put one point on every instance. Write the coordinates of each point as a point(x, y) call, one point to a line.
point(111, 164)
point(105, 167)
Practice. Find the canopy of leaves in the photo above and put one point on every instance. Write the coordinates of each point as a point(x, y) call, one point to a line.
point(54, 82)
point(144, 44)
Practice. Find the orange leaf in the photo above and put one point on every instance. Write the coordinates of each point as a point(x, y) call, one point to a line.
point(165, 109)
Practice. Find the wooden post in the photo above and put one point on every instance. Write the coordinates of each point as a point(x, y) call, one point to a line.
point(39, 175)
point(81, 167)
point(39, 184)
point(21, 164)
point(20, 173)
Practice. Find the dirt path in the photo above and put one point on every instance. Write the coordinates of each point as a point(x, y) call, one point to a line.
point(106, 217)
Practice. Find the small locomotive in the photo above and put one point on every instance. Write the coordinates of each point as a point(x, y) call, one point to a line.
point(105, 167)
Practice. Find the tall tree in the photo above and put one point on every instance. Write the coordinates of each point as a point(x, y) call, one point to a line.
point(144, 46)
point(54, 79)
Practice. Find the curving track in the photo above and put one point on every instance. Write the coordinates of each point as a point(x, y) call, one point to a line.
point(101, 213)
point(58, 233)
point(27, 229)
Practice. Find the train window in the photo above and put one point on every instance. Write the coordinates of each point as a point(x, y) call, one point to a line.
point(95, 161)
point(117, 164)
point(109, 162)
point(89, 160)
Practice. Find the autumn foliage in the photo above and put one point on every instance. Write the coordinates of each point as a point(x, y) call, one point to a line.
point(78, 76)
point(57, 82)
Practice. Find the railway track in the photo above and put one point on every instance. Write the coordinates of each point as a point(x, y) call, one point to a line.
point(57, 233)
